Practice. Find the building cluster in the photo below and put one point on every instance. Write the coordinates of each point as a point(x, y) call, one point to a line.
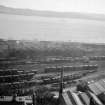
point(94, 95)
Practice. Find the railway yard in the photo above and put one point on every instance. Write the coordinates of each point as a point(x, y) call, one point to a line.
point(25, 76)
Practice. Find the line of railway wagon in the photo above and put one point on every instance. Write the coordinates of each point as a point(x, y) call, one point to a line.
point(67, 77)
point(70, 68)
point(22, 87)
point(12, 78)
point(4, 72)
point(15, 61)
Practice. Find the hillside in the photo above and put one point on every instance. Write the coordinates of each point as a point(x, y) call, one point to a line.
point(24, 48)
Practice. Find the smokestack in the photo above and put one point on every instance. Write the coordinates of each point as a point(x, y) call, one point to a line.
point(61, 81)
point(34, 98)
point(14, 97)
point(61, 86)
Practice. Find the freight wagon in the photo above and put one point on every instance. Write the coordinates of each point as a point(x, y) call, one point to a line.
point(70, 68)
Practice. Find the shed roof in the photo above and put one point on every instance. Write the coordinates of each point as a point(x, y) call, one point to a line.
point(82, 98)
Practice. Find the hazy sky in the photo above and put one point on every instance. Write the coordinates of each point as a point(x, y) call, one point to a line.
point(30, 27)
point(94, 6)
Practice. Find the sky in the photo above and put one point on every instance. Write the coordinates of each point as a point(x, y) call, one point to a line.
point(91, 6)
point(12, 26)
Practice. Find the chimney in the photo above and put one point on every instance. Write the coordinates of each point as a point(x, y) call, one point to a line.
point(14, 97)
point(34, 98)
point(61, 81)
point(61, 86)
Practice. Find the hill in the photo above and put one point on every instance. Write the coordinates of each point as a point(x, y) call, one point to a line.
point(25, 48)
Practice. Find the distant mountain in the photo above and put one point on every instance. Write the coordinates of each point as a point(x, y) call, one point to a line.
point(29, 12)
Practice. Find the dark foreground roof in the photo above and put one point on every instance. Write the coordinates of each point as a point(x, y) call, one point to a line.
point(80, 98)
point(11, 103)
point(96, 95)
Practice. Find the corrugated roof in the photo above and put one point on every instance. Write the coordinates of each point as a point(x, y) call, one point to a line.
point(101, 88)
point(97, 87)
point(72, 98)
point(66, 98)
point(82, 98)
point(94, 89)
point(102, 83)
point(77, 99)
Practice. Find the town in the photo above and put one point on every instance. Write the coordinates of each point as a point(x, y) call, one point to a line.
point(42, 79)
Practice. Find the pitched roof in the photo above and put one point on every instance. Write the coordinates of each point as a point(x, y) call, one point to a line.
point(82, 98)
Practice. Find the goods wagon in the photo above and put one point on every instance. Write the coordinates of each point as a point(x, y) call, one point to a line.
point(70, 68)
